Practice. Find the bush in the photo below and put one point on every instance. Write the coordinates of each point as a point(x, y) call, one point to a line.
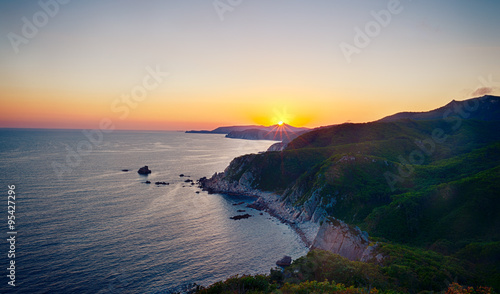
point(240, 284)
point(322, 265)
point(456, 288)
point(315, 287)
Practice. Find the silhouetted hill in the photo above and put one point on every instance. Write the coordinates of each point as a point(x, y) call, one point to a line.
point(284, 133)
point(486, 108)
point(226, 130)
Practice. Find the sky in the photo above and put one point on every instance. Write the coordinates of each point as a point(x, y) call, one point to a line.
point(193, 64)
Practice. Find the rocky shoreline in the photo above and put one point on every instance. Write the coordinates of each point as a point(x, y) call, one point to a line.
point(317, 232)
point(261, 205)
point(266, 201)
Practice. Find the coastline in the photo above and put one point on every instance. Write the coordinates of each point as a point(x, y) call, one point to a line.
point(263, 206)
point(265, 201)
point(308, 221)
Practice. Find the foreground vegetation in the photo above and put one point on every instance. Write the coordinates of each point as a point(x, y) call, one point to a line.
point(261, 284)
point(406, 271)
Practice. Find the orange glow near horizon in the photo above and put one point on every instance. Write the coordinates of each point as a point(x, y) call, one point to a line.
point(168, 110)
point(52, 109)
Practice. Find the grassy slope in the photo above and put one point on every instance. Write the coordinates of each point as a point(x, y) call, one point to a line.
point(447, 203)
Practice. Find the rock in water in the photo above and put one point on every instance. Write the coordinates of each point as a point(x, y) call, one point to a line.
point(285, 261)
point(144, 170)
point(242, 216)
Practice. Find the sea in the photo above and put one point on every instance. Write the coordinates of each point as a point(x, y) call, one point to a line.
point(82, 225)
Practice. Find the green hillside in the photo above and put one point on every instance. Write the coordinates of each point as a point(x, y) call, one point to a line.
point(427, 190)
point(432, 184)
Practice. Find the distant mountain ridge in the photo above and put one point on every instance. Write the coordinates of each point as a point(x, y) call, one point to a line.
point(485, 108)
point(284, 133)
point(226, 130)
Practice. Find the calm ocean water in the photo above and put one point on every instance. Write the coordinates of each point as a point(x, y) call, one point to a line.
point(97, 229)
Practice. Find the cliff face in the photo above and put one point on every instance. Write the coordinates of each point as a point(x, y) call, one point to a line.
point(350, 242)
point(277, 147)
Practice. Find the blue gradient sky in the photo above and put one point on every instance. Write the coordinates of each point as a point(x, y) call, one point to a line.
point(266, 61)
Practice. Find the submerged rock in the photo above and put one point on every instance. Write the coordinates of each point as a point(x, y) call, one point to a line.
point(242, 216)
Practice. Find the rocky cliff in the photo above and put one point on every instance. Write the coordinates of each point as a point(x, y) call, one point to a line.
point(280, 146)
point(350, 242)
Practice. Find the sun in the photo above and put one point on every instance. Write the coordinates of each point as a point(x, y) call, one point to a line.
point(281, 118)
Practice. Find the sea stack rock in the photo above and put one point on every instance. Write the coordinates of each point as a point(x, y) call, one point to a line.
point(144, 170)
